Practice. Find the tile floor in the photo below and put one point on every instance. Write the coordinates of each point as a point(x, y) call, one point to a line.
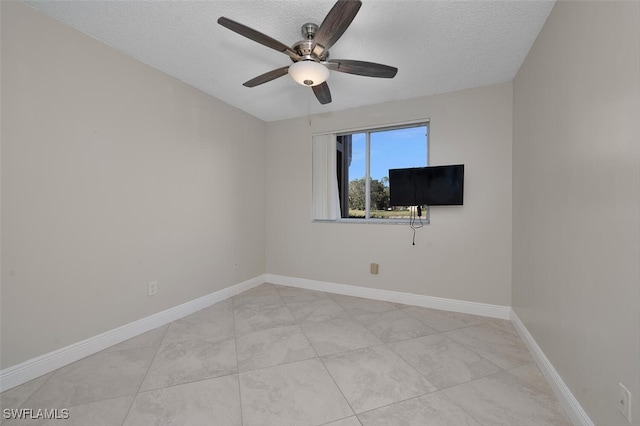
point(282, 356)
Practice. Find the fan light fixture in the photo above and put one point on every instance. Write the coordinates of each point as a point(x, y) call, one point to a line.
point(308, 73)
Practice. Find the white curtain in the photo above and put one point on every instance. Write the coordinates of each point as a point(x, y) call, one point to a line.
point(326, 202)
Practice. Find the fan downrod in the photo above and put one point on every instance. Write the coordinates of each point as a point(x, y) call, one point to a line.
point(309, 30)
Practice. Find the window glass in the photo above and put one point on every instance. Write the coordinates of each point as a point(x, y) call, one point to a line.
point(357, 175)
point(351, 171)
point(362, 169)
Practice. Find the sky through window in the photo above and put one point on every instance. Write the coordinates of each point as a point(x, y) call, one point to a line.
point(390, 149)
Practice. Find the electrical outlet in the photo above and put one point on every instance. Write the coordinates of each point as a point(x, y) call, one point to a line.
point(624, 401)
point(374, 268)
point(153, 287)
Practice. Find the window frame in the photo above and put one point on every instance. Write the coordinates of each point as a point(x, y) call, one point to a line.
point(425, 122)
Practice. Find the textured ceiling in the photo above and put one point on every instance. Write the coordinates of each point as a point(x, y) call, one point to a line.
point(437, 46)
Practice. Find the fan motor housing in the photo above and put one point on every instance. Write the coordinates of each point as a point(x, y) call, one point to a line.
point(307, 48)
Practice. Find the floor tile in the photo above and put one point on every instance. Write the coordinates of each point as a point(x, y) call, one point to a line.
point(504, 399)
point(361, 306)
point(531, 374)
point(251, 317)
point(444, 320)
point(434, 409)
point(504, 325)
point(373, 377)
point(262, 295)
point(110, 412)
point(150, 339)
point(102, 413)
point(443, 361)
point(296, 394)
point(266, 348)
point(261, 289)
point(293, 295)
point(208, 402)
point(317, 310)
point(184, 362)
point(502, 348)
point(333, 336)
point(95, 378)
point(15, 397)
point(395, 325)
point(213, 322)
point(304, 358)
point(349, 421)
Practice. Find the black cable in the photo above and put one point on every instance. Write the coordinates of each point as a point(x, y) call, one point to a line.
point(418, 208)
point(412, 221)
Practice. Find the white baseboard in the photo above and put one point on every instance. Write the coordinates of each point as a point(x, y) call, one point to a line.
point(572, 407)
point(36, 367)
point(475, 308)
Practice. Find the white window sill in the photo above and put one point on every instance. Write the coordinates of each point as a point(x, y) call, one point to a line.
point(425, 221)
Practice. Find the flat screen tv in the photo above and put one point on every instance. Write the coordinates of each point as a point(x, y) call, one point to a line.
point(431, 186)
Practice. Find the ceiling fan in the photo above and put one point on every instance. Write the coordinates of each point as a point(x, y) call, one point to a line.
point(310, 56)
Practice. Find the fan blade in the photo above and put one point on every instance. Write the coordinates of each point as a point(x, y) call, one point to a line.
point(322, 92)
point(336, 22)
point(368, 69)
point(258, 37)
point(266, 77)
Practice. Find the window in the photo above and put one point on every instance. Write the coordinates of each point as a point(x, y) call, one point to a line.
point(351, 171)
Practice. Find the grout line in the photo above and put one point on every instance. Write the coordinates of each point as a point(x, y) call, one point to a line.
point(53, 373)
point(317, 356)
point(203, 379)
point(133, 400)
point(355, 416)
point(462, 408)
point(235, 339)
point(338, 387)
point(401, 401)
point(328, 372)
point(278, 365)
point(413, 368)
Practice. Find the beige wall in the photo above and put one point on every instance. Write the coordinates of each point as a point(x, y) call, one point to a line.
point(114, 175)
point(576, 203)
point(465, 253)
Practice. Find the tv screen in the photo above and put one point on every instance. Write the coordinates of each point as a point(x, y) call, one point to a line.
point(431, 186)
